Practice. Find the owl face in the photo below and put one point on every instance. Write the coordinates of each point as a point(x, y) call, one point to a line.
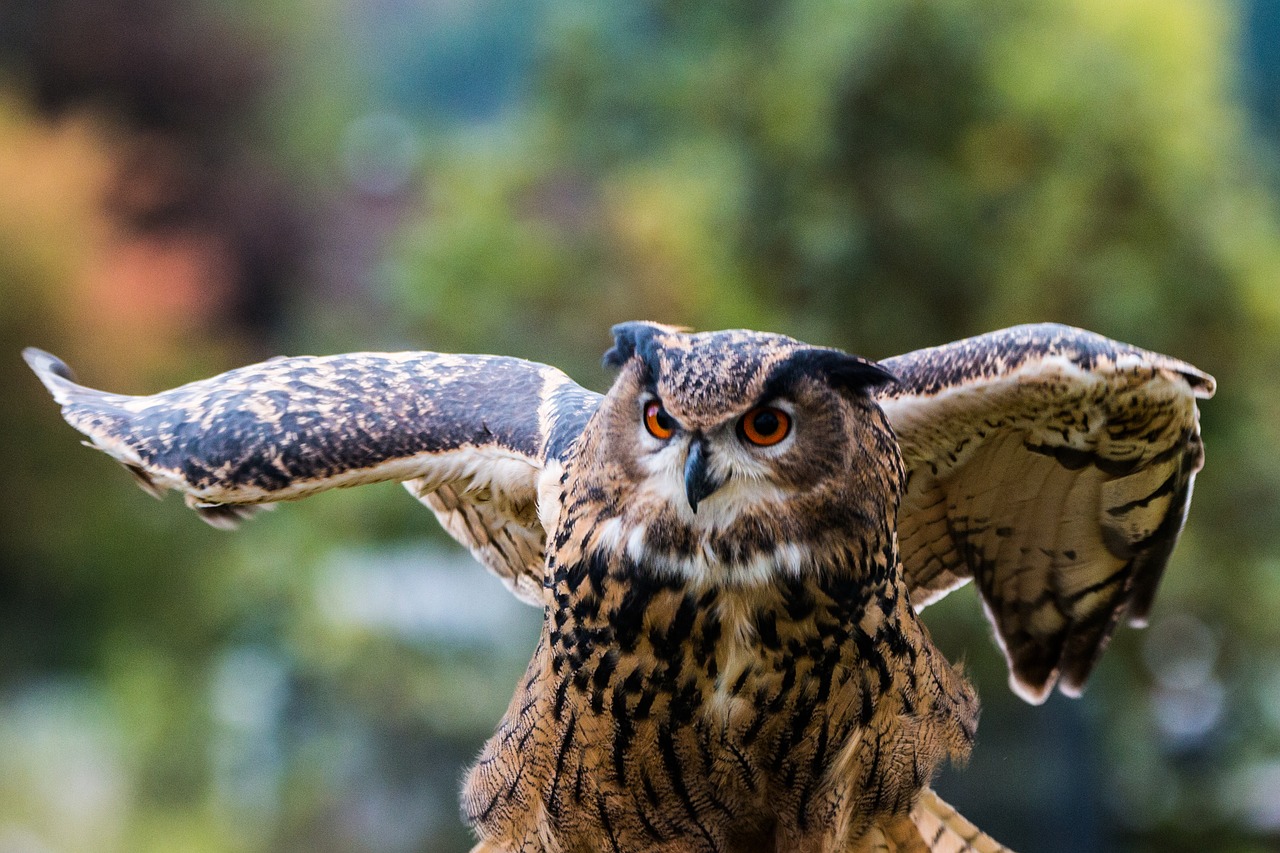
point(731, 455)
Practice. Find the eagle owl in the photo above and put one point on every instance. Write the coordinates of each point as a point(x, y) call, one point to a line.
point(730, 549)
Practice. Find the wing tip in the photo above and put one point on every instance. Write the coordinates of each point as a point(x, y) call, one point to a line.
point(52, 371)
point(1203, 386)
point(1029, 691)
point(1071, 689)
point(1070, 675)
point(1038, 694)
point(61, 382)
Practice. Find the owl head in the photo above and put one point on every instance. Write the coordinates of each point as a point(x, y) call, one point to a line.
point(724, 455)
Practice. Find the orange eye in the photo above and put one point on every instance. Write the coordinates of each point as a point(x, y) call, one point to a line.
point(765, 426)
point(657, 421)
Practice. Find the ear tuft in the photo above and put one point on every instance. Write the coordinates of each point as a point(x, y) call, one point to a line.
point(850, 372)
point(630, 339)
point(859, 374)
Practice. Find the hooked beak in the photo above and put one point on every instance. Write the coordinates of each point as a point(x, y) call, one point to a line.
point(698, 479)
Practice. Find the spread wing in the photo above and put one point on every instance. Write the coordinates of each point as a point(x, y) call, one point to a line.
point(1054, 467)
point(468, 434)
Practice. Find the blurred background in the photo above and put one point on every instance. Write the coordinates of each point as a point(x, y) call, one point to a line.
point(190, 185)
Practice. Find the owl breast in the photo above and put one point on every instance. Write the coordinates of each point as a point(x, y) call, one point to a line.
point(665, 714)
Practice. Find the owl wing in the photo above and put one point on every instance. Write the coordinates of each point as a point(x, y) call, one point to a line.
point(469, 435)
point(1054, 467)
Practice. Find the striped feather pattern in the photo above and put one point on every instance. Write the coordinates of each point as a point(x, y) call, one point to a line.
point(469, 434)
point(1054, 467)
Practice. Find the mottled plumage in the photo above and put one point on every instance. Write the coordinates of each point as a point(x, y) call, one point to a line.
point(1055, 466)
point(730, 548)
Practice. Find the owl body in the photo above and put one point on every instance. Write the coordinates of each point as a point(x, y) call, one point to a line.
point(730, 677)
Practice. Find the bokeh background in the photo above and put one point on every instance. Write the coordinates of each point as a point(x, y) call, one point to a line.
point(190, 185)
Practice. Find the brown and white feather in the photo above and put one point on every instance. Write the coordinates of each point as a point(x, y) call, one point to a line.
point(1055, 466)
point(457, 429)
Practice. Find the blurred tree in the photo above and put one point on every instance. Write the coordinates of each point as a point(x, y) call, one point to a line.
point(177, 88)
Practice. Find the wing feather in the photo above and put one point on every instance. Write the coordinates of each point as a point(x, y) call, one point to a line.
point(1054, 467)
point(469, 434)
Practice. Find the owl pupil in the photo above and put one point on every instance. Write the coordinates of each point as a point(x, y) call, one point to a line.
point(664, 420)
point(766, 423)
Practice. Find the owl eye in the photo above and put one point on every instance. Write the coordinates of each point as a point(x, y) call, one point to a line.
point(657, 421)
point(765, 426)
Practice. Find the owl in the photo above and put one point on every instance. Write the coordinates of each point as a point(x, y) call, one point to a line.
point(730, 549)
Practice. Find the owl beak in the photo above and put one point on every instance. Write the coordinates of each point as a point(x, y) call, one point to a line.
point(699, 482)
